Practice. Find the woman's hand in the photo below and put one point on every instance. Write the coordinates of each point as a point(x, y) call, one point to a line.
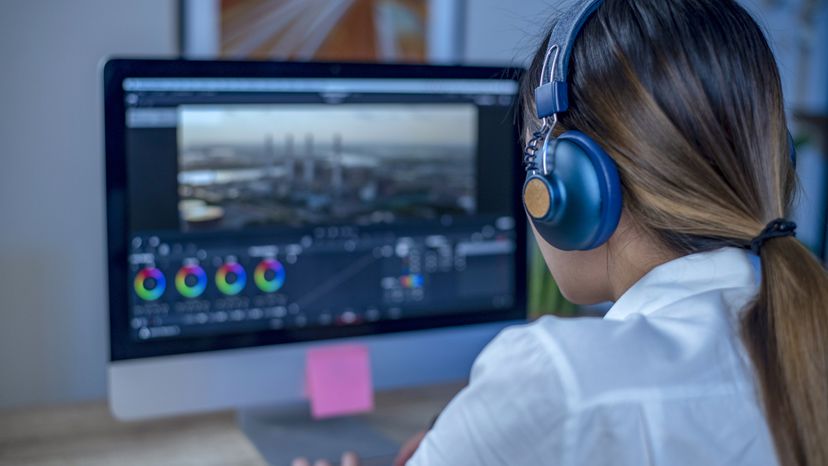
point(408, 448)
point(348, 459)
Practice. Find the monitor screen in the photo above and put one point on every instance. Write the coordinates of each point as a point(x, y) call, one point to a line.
point(306, 205)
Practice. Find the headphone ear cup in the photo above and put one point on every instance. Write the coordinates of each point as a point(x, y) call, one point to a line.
point(542, 198)
point(584, 183)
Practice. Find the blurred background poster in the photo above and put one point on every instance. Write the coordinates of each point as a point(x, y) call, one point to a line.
point(408, 31)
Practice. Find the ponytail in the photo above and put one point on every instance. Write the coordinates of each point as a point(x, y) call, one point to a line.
point(786, 334)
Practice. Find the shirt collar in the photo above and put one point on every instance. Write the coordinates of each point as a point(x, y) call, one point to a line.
point(684, 277)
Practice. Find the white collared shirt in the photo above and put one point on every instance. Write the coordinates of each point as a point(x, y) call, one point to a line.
point(663, 379)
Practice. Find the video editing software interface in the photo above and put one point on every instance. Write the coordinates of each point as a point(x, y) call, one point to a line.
point(260, 204)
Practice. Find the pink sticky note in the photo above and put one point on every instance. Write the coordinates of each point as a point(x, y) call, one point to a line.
point(339, 381)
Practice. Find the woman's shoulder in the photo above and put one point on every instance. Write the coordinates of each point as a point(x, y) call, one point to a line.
point(589, 359)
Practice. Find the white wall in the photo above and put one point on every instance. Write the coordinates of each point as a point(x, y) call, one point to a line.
point(500, 31)
point(53, 321)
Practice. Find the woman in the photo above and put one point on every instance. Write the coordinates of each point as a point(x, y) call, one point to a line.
point(716, 349)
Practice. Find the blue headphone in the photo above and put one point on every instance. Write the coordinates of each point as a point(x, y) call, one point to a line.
point(572, 191)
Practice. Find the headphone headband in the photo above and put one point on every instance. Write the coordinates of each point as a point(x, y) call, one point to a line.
point(551, 95)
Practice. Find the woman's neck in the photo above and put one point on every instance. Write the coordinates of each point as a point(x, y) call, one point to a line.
point(633, 253)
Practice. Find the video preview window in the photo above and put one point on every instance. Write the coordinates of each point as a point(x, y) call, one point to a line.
point(243, 166)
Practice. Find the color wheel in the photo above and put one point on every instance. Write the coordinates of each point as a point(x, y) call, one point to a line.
point(149, 284)
point(191, 281)
point(269, 275)
point(231, 278)
point(412, 281)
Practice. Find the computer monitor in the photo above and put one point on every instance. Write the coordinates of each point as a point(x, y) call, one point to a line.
point(258, 209)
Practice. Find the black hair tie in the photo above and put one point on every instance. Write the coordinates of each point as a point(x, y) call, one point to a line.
point(778, 228)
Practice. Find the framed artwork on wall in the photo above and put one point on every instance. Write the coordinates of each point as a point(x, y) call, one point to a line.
point(400, 31)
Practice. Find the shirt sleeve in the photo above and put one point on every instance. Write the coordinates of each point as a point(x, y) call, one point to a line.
point(511, 412)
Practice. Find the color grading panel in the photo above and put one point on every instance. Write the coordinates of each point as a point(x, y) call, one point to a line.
point(329, 276)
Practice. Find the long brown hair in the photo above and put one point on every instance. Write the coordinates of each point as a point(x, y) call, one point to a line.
point(685, 96)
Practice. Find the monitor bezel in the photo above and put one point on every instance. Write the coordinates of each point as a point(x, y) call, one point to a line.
point(121, 346)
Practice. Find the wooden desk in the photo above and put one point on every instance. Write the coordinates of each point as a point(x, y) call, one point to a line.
point(86, 434)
